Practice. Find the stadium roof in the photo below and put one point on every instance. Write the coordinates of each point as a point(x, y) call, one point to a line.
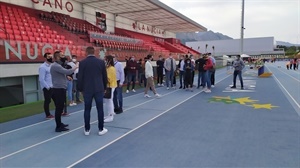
point(150, 12)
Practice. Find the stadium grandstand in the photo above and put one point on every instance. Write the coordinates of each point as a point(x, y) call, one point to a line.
point(30, 28)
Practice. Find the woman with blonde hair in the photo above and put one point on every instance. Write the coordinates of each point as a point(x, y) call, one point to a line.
point(111, 85)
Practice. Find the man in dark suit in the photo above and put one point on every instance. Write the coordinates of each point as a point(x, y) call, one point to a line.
point(92, 82)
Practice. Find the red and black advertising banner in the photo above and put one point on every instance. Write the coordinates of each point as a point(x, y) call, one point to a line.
point(101, 21)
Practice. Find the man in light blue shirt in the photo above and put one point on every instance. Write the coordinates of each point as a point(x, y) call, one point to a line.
point(213, 70)
point(46, 83)
point(118, 97)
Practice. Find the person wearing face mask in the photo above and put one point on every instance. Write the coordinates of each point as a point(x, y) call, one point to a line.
point(59, 80)
point(76, 93)
point(188, 69)
point(46, 83)
point(132, 68)
point(170, 67)
point(160, 71)
point(70, 78)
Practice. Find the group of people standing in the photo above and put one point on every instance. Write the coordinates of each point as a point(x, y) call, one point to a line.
point(95, 77)
point(102, 80)
point(293, 64)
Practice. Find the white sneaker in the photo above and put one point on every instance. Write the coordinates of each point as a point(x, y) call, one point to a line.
point(133, 90)
point(168, 88)
point(162, 84)
point(157, 95)
point(207, 91)
point(86, 133)
point(109, 119)
point(146, 95)
point(212, 86)
point(104, 131)
point(127, 91)
point(72, 104)
point(158, 84)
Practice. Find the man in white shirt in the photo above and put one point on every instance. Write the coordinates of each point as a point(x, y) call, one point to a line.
point(149, 77)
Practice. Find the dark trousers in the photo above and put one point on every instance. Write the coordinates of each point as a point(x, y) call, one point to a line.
point(48, 95)
point(212, 77)
point(59, 96)
point(160, 76)
point(118, 97)
point(188, 79)
point(131, 77)
point(143, 79)
point(193, 76)
point(76, 93)
point(88, 98)
point(237, 73)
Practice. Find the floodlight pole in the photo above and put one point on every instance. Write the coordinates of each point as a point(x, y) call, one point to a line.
point(242, 29)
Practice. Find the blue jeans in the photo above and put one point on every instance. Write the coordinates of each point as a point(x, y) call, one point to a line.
point(70, 90)
point(237, 73)
point(201, 76)
point(181, 77)
point(118, 97)
point(88, 98)
point(207, 79)
point(131, 77)
point(169, 78)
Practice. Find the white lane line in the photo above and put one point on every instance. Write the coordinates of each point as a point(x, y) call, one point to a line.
point(115, 140)
point(286, 74)
point(79, 111)
point(287, 92)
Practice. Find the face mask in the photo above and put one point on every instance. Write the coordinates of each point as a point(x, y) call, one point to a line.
point(74, 60)
point(64, 59)
point(188, 62)
point(50, 60)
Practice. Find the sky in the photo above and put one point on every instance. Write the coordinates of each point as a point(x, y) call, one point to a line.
point(262, 18)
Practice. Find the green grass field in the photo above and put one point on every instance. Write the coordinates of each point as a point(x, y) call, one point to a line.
point(21, 111)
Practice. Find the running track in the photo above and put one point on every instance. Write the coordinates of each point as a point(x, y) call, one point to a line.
point(255, 127)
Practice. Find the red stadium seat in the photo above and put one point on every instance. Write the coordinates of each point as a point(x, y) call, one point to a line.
point(36, 34)
point(50, 40)
point(44, 40)
point(29, 33)
point(31, 38)
point(38, 39)
point(16, 32)
point(2, 35)
point(25, 38)
point(18, 37)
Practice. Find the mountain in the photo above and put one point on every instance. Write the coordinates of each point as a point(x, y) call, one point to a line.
point(201, 36)
point(287, 44)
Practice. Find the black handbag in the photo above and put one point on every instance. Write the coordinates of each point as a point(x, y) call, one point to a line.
point(107, 93)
